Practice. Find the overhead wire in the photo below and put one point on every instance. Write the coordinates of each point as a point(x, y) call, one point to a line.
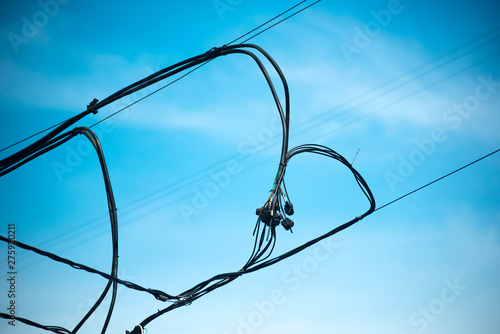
point(438, 179)
point(127, 208)
point(262, 249)
point(265, 23)
point(318, 149)
point(170, 83)
point(232, 276)
point(286, 18)
point(29, 137)
point(199, 175)
point(228, 44)
point(43, 148)
point(311, 123)
point(55, 139)
point(271, 213)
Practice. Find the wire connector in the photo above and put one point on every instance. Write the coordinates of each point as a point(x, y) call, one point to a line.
point(287, 224)
point(289, 208)
point(92, 106)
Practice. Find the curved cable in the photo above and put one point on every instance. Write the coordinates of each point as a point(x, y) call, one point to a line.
point(270, 215)
point(48, 146)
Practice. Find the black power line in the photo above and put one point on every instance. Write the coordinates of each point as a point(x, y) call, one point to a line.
point(275, 210)
point(56, 138)
point(176, 185)
point(436, 180)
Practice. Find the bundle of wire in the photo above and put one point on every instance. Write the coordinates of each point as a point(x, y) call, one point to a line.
point(275, 210)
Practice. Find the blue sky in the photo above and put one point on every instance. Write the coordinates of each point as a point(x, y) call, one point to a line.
point(414, 85)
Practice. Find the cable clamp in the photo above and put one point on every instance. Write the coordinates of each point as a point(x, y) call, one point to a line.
point(184, 301)
point(92, 106)
point(160, 295)
point(220, 51)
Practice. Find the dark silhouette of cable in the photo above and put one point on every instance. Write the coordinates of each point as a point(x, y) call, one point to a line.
point(273, 213)
point(199, 175)
point(43, 148)
point(226, 278)
point(159, 295)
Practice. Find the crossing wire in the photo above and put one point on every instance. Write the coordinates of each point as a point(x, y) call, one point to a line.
point(184, 75)
point(138, 329)
point(259, 257)
point(179, 184)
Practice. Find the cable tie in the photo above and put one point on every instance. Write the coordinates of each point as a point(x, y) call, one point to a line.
point(92, 106)
point(221, 51)
point(160, 295)
point(184, 301)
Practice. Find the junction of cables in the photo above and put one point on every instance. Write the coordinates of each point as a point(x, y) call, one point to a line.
point(273, 214)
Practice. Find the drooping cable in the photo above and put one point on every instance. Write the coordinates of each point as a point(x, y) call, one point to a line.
point(158, 294)
point(270, 215)
point(54, 139)
point(48, 146)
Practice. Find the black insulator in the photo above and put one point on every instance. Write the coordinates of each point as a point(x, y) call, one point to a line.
point(275, 219)
point(288, 208)
point(287, 223)
point(265, 216)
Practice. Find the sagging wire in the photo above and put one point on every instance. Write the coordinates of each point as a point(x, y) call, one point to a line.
point(267, 221)
point(270, 215)
point(43, 148)
point(275, 210)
